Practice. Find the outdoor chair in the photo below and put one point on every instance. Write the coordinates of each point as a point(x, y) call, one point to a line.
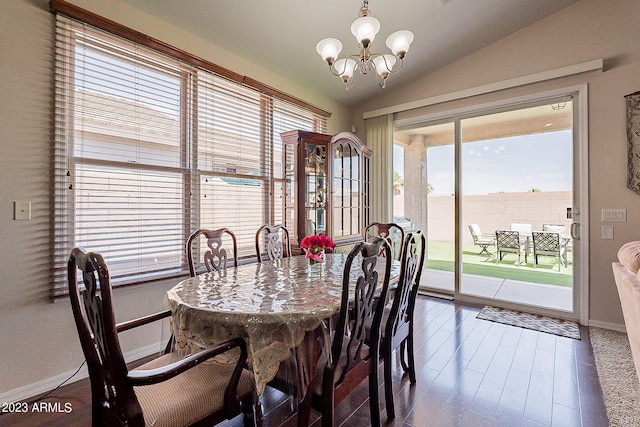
point(548, 244)
point(216, 257)
point(482, 240)
point(272, 242)
point(565, 238)
point(171, 390)
point(508, 241)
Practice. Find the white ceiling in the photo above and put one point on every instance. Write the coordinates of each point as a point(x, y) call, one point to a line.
point(281, 35)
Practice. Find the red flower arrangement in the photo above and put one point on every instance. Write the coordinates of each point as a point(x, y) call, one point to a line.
point(314, 247)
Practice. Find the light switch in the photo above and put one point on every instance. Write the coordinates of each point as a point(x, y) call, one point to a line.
point(607, 232)
point(21, 210)
point(614, 215)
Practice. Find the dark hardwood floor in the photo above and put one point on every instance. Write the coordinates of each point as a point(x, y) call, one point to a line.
point(470, 372)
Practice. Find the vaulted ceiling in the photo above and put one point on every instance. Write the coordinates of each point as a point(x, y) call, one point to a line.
point(281, 35)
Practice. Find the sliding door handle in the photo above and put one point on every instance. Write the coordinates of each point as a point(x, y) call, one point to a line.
point(575, 231)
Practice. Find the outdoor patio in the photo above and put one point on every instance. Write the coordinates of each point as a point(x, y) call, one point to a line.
point(541, 286)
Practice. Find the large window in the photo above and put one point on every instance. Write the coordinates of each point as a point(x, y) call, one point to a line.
point(149, 148)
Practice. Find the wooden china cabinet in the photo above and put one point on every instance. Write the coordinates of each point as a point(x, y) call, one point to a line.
point(326, 186)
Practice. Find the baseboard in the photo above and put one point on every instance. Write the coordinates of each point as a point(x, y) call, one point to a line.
point(608, 325)
point(28, 391)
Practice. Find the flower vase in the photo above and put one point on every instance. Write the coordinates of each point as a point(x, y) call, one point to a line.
point(315, 255)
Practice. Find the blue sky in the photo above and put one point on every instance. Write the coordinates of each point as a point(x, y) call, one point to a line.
point(514, 164)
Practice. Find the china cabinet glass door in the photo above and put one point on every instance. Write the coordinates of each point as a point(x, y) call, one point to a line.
point(316, 189)
point(347, 209)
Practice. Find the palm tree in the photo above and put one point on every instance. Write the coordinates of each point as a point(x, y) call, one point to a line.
point(398, 183)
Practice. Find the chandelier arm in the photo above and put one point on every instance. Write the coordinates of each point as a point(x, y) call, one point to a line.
point(349, 83)
point(399, 66)
point(334, 71)
point(380, 80)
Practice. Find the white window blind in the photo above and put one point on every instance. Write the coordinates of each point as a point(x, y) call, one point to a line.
point(148, 149)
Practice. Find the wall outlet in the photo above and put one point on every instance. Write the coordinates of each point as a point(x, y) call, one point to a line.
point(21, 210)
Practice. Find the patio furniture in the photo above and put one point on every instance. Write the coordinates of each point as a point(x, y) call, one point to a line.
point(525, 234)
point(565, 238)
point(508, 241)
point(554, 228)
point(523, 229)
point(548, 244)
point(482, 240)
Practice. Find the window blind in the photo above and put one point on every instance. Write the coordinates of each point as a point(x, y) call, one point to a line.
point(149, 148)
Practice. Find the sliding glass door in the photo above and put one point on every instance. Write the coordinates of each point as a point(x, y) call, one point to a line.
point(426, 200)
point(517, 187)
point(494, 189)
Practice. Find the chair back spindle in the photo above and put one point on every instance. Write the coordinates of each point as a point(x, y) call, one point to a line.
point(216, 257)
point(272, 242)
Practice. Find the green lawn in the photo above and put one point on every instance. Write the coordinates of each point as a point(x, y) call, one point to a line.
point(440, 257)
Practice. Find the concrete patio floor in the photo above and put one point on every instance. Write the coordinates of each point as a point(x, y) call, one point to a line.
point(535, 294)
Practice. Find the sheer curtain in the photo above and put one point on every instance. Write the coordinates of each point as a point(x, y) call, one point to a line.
point(380, 140)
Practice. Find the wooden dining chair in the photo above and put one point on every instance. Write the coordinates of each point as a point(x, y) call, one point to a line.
point(397, 318)
point(168, 391)
point(216, 257)
point(391, 232)
point(351, 360)
point(272, 242)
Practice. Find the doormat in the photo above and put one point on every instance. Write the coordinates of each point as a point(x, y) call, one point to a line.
point(563, 328)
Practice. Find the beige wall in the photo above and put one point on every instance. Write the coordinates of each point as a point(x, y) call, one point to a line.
point(496, 211)
point(586, 30)
point(39, 341)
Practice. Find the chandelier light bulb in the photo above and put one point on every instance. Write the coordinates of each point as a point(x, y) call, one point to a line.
point(384, 64)
point(399, 42)
point(365, 29)
point(329, 49)
point(345, 68)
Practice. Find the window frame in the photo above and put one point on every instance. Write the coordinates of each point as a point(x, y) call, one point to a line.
point(65, 209)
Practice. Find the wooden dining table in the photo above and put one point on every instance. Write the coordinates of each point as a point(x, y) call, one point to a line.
point(275, 306)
